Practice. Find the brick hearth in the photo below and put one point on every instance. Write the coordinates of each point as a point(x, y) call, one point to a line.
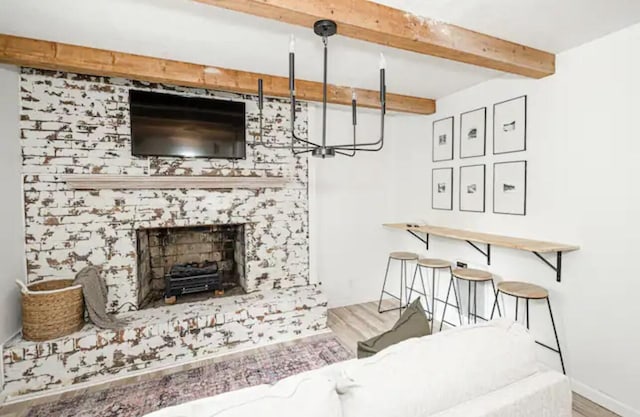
point(164, 336)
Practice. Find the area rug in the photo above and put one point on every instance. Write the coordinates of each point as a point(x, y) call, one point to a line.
point(266, 366)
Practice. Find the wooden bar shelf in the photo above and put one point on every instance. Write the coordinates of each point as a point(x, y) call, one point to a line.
point(537, 247)
point(141, 182)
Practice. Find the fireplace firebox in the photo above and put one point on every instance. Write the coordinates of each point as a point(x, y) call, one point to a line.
point(184, 264)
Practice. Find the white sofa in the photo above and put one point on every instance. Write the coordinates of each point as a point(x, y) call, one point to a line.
point(485, 370)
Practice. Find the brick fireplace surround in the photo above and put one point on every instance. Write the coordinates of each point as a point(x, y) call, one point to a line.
point(77, 124)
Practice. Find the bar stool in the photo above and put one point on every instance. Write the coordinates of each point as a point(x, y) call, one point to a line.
point(528, 292)
point(471, 276)
point(403, 257)
point(433, 265)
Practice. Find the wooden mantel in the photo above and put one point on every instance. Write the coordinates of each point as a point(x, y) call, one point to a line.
point(72, 58)
point(141, 182)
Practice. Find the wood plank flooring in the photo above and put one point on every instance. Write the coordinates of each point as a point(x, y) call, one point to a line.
point(362, 321)
point(350, 324)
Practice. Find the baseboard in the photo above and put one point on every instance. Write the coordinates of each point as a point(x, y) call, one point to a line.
point(603, 399)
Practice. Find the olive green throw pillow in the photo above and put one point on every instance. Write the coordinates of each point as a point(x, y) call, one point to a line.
point(412, 323)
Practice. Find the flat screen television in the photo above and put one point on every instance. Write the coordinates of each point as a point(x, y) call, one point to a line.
point(172, 125)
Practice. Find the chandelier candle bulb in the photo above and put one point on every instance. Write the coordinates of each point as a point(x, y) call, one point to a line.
point(383, 61)
point(292, 44)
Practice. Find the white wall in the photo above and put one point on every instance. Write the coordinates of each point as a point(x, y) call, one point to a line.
point(11, 217)
point(584, 167)
point(354, 196)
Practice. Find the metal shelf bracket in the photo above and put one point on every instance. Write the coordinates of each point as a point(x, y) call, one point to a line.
point(424, 240)
point(487, 254)
point(557, 267)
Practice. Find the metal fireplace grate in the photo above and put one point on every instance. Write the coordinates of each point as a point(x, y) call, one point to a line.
point(191, 278)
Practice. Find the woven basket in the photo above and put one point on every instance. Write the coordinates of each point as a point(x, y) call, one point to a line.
point(51, 309)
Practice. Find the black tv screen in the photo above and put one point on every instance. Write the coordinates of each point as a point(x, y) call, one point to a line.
point(171, 125)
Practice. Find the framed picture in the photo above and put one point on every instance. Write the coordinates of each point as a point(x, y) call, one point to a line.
point(472, 185)
point(442, 189)
point(443, 140)
point(510, 126)
point(473, 133)
point(510, 187)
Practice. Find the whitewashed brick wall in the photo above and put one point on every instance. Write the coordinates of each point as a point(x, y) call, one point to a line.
point(74, 123)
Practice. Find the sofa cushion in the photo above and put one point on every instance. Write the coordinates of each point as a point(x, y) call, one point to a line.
point(309, 396)
point(412, 323)
point(420, 377)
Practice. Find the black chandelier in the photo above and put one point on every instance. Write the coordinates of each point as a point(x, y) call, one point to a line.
point(325, 28)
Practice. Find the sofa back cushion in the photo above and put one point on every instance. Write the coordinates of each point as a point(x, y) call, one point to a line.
point(423, 376)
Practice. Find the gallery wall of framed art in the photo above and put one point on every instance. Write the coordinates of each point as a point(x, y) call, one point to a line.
point(507, 127)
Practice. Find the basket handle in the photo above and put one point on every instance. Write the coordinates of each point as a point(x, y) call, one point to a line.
point(22, 286)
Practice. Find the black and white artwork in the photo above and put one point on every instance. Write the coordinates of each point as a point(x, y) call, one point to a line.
point(472, 186)
point(510, 187)
point(442, 189)
point(443, 140)
point(510, 126)
point(473, 133)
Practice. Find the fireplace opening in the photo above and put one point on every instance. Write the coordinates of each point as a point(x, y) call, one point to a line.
point(188, 264)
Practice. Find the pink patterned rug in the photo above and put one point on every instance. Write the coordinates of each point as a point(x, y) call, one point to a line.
point(138, 399)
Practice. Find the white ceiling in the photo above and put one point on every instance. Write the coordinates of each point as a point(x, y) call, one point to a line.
point(194, 32)
point(550, 25)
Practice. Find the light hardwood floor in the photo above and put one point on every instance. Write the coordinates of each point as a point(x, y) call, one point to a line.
point(350, 324)
point(362, 321)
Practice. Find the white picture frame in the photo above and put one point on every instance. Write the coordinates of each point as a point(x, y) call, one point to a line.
point(510, 126)
point(510, 188)
point(472, 188)
point(442, 189)
point(473, 133)
point(442, 140)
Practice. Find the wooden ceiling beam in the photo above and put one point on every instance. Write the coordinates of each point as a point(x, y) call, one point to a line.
point(377, 23)
point(64, 57)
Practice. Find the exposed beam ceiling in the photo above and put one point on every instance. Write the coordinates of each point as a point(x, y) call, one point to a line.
point(64, 57)
point(373, 22)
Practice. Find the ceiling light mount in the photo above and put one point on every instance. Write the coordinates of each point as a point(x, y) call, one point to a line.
point(325, 28)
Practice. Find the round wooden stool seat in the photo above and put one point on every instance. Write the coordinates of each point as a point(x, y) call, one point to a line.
point(472, 274)
point(523, 290)
point(404, 256)
point(434, 263)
